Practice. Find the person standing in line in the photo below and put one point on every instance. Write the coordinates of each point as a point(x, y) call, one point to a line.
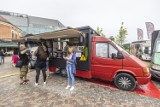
point(2, 56)
point(24, 66)
point(42, 55)
point(49, 51)
point(15, 58)
point(70, 67)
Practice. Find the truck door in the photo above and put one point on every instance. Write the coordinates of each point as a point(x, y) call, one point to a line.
point(103, 66)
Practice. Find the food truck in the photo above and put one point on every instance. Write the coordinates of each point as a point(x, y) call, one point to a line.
point(96, 56)
point(155, 51)
point(141, 49)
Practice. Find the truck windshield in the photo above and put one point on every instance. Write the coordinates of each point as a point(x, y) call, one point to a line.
point(156, 55)
point(121, 49)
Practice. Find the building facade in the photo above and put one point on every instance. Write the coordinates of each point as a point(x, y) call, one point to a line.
point(15, 25)
point(8, 31)
point(31, 24)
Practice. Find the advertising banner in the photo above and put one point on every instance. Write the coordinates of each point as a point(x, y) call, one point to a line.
point(150, 29)
point(139, 34)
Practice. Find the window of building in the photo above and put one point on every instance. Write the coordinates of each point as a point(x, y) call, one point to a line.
point(15, 35)
point(12, 35)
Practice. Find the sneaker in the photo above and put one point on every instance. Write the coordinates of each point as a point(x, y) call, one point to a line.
point(67, 87)
point(71, 88)
point(44, 83)
point(36, 84)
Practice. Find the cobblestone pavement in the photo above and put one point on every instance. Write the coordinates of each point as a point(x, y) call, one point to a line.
point(53, 94)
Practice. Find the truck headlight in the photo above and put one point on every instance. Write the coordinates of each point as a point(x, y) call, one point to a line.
point(145, 70)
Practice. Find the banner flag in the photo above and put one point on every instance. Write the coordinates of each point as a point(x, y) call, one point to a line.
point(139, 34)
point(150, 29)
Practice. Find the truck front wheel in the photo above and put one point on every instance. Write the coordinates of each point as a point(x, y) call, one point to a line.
point(125, 81)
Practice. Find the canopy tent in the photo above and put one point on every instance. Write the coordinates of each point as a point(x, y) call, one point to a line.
point(65, 33)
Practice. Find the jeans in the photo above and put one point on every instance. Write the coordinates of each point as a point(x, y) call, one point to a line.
point(70, 75)
point(38, 73)
point(47, 65)
point(0, 59)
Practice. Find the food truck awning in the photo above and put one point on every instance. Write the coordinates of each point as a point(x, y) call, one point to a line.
point(65, 33)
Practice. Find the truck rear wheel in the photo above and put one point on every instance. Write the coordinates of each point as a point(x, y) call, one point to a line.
point(125, 81)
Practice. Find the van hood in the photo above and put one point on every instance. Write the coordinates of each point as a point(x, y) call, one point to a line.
point(138, 61)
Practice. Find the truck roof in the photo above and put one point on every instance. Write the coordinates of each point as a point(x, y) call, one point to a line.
point(100, 39)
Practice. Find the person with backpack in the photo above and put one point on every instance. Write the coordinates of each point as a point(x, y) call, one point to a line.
point(42, 55)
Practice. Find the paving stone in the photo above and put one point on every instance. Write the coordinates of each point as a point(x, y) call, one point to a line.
point(54, 94)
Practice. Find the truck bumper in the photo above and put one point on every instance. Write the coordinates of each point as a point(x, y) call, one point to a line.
point(143, 80)
point(155, 73)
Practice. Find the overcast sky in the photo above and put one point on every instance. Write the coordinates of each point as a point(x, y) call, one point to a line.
point(107, 14)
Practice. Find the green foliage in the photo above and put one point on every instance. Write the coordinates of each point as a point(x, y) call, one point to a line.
point(126, 47)
point(100, 31)
point(120, 39)
point(112, 38)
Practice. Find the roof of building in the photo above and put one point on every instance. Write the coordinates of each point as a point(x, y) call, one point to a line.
point(4, 20)
point(25, 20)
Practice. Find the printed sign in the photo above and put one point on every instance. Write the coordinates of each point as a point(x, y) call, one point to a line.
point(83, 58)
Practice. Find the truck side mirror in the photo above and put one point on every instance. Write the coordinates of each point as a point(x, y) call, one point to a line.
point(117, 56)
point(114, 56)
point(120, 56)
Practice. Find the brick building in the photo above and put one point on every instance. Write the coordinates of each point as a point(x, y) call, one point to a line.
point(8, 32)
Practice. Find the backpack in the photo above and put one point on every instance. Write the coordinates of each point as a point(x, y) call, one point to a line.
point(42, 53)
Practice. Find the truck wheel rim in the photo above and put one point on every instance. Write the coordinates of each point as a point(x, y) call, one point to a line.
point(124, 82)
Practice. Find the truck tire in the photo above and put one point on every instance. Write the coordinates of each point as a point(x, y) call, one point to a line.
point(125, 81)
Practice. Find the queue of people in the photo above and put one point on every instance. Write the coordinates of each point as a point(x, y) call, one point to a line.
point(42, 55)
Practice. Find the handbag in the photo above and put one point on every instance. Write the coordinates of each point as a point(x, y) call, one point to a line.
point(19, 63)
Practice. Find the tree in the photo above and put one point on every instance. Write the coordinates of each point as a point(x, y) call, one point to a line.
point(120, 39)
point(112, 38)
point(100, 31)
